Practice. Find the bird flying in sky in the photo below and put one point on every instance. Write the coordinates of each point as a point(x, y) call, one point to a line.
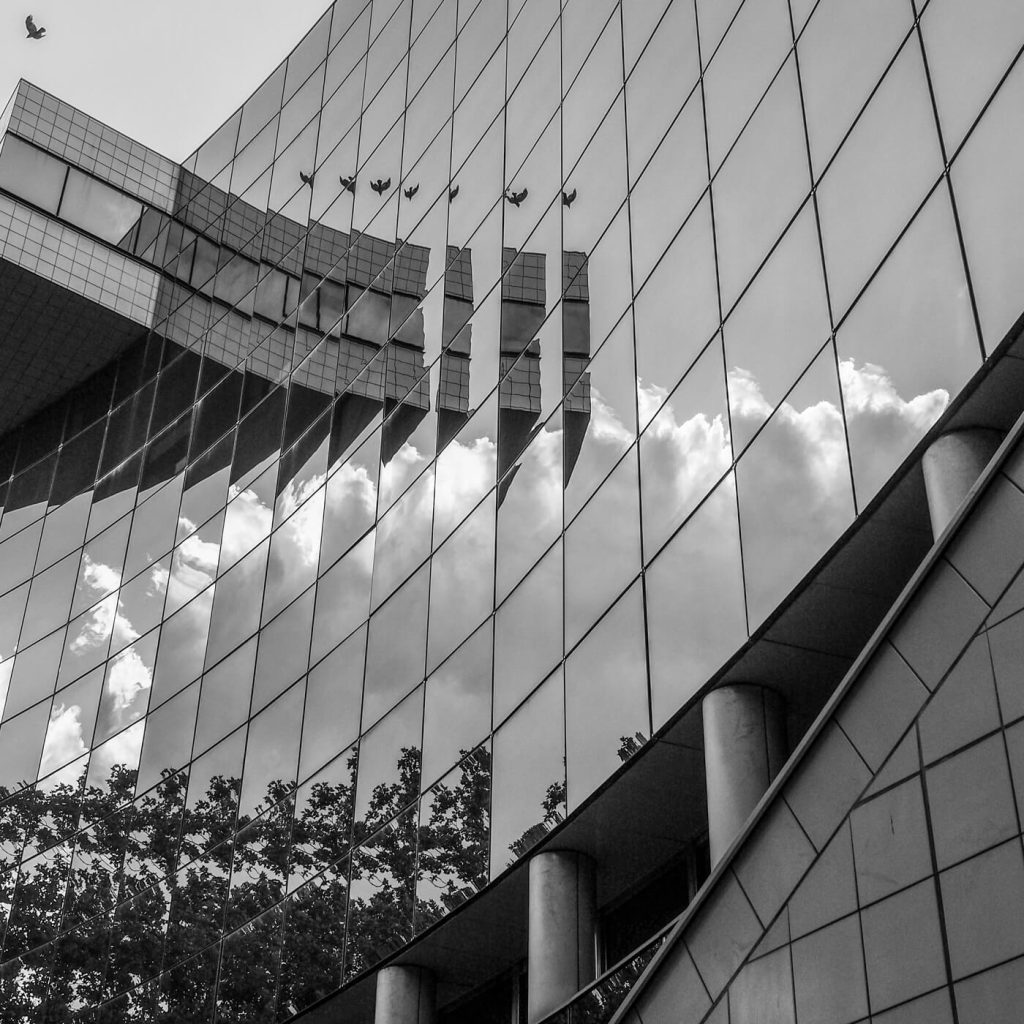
point(33, 32)
point(568, 198)
point(380, 186)
point(307, 179)
point(349, 183)
point(515, 198)
point(453, 192)
point(411, 191)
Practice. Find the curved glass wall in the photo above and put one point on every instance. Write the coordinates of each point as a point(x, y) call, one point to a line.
point(512, 361)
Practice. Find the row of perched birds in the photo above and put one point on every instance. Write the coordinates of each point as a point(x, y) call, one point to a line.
point(380, 186)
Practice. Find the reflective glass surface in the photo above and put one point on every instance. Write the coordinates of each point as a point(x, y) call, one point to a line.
point(510, 364)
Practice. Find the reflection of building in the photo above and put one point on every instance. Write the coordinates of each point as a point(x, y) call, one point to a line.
point(416, 517)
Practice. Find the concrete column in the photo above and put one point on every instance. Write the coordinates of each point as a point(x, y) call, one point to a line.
point(951, 465)
point(563, 912)
point(744, 747)
point(405, 995)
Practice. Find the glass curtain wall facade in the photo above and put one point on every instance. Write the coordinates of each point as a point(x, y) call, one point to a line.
point(502, 365)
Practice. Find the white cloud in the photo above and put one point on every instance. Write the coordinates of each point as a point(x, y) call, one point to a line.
point(63, 738)
point(869, 391)
point(127, 677)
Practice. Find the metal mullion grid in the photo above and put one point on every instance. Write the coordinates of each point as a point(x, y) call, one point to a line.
point(824, 268)
point(949, 181)
point(259, 634)
point(720, 333)
point(631, 313)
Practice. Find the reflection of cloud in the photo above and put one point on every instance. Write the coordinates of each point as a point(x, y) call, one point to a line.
point(869, 393)
point(605, 424)
point(157, 580)
point(97, 626)
point(124, 748)
point(63, 738)
point(128, 676)
point(304, 518)
point(247, 522)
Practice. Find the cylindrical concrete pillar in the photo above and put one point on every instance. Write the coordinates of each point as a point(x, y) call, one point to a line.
point(562, 920)
point(405, 995)
point(744, 747)
point(951, 465)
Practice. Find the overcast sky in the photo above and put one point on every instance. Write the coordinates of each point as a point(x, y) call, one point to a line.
point(166, 72)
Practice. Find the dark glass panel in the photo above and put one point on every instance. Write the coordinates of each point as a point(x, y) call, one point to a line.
point(34, 673)
point(686, 448)
point(314, 940)
point(18, 554)
point(454, 839)
point(461, 583)
point(903, 352)
point(72, 718)
point(333, 697)
point(668, 68)
point(396, 649)
point(742, 68)
point(602, 549)
point(127, 428)
point(99, 209)
point(529, 775)
point(283, 650)
point(775, 330)
point(31, 174)
point(247, 983)
point(843, 53)
point(883, 171)
point(677, 311)
point(761, 185)
point(343, 597)
point(64, 529)
point(272, 752)
point(389, 765)
point(695, 607)
point(225, 697)
point(527, 637)
point(126, 688)
point(22, 743)
point(49, 600)
point(76, 468)
point(457, 704)
point(794, 488)
point(167, 745)
point(153, 532)
point(323, 818)
point(236, 604)
point(383, 894)
point(989, 205)
point(529, 501)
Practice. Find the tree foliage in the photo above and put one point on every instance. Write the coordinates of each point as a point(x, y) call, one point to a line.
point(155, 907)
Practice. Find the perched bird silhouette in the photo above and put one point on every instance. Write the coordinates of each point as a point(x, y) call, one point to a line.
point(452, 193)
point(568, 198)
point(33, 32)
point(379, 186)
point(515, 198)
point(307, 179)
point(349, 184)
point(411, 191)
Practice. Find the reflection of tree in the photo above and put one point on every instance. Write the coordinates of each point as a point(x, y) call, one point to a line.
point(553, 806)
point(116, 896)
